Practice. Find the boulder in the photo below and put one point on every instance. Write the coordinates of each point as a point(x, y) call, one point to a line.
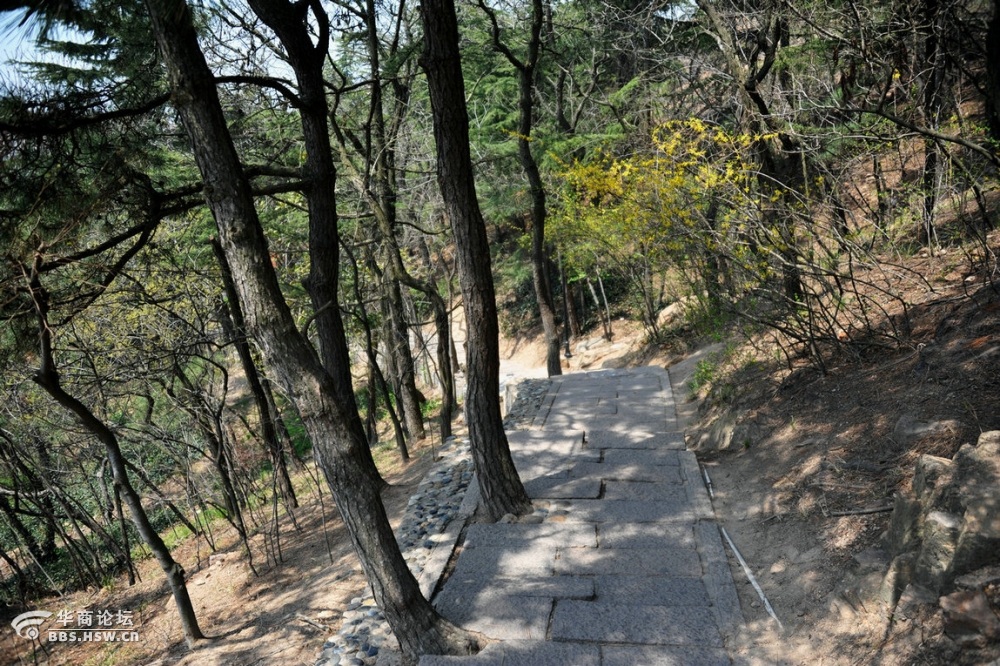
point(937, 549)
point(949, 523)
point(673, 315)
point(910, 428)
point(968, 616)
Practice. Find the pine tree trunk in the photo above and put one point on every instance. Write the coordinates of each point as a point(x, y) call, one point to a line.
point(409, 397)
point(399, 341)
point(239, 336)
point(539, 257)
point(502, 490)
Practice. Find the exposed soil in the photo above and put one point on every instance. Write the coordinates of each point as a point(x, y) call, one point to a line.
point(804, 467)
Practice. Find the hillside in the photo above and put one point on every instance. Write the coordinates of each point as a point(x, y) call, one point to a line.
point(807, 468)
point(797, 459)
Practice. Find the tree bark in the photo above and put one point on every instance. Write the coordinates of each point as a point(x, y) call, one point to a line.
point(239, 337)
point(502, 490)
point(399, 346)
point(333, 425)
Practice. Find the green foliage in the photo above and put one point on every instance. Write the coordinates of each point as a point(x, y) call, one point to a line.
point(430, 407)
point(301, 443)
point(703, 376)
point(515, 290)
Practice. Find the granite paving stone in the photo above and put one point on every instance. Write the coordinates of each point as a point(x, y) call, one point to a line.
point(470, 586)
point(563, 439)
point(508, 617)
point(621, 561)
point(516, 536)
point(626, 472)
point(645, 561)
point(718, 579)
point(526, 653)
point(646, 535)
point(603, 511)
point(651, 590)
point(526, 558)
point(643, 457)
point(631, 623)
point(563, 488)
point(635, 437)
point(661, 655)
point(643, 490)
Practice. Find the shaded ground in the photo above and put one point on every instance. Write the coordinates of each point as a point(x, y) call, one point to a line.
point(804, 466)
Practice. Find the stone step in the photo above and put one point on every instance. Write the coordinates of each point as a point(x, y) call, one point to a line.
point(598, 622)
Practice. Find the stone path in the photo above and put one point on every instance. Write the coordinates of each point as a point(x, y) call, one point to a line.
point(624, 563)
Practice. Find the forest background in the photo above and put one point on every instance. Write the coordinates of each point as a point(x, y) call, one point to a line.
point(238, 235)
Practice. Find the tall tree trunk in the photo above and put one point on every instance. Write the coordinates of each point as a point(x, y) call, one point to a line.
point(385, 192)
point(233, 320)
point(380, 191)
point(333, 424)
point(382, 198)
point(373, 366)
point(290, 23)
point(399, 346)
point(502, 490)
point(526, 108)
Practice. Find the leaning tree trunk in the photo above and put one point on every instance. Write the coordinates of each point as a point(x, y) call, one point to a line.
point(233, 319)
point(333, 425)
point(47, 377)
point(383, 199)
point(502, 490)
